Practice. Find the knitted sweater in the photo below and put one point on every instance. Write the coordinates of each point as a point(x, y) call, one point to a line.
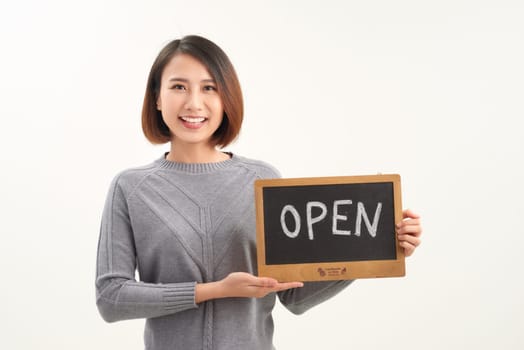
point(179, 224)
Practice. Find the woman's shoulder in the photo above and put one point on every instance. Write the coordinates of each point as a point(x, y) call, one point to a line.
point(263, 169)
point(131, 177)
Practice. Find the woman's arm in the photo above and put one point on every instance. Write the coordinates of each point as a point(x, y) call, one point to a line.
point(241, 285)
point(298, 301)
point(118, 295)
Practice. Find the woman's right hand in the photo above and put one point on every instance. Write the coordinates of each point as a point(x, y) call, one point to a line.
point(241, 284)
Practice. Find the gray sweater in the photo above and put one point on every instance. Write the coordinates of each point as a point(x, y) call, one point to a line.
point(180, 224)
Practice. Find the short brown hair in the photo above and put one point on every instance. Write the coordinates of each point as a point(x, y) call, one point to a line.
point(221, 70)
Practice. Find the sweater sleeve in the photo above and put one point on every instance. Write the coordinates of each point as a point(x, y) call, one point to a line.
point(299, 300)
point(118, 295)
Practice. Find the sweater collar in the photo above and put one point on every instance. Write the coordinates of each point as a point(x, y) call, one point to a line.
point(195, 168)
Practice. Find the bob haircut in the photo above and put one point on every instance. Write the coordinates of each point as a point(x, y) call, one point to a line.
point(220, 69)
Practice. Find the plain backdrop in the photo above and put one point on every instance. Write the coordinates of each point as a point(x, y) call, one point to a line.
point(430, 90)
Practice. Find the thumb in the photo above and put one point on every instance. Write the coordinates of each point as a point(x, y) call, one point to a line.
point(266, 282)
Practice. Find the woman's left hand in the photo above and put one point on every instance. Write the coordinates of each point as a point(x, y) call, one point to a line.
point(409, 231)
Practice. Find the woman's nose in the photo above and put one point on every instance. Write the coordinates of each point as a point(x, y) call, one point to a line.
point(194, 101)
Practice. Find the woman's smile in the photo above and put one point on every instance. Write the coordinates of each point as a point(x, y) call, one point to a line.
point(192, 122)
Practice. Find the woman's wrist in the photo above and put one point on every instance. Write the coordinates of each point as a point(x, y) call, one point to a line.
point(208, 291)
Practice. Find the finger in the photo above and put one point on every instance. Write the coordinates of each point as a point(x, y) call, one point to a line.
point(413, 222)
point(408, 222)
point(415, 230)
point(409, 249)
point(412, 240)
point(288, 285)
point(408, 213)
point(264, 282)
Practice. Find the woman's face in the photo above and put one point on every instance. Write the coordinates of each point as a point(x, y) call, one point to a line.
point(189, 102)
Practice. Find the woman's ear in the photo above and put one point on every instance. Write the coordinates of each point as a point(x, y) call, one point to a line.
point(158, 104)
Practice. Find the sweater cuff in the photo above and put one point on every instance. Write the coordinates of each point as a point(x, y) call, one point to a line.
point(179, 297)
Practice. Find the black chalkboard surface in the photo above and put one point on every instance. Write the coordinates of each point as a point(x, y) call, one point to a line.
point(329, 228)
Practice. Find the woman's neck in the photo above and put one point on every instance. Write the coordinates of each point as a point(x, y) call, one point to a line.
point(195, 154)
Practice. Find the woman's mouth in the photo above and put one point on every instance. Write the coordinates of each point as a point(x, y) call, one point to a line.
point(192, 122)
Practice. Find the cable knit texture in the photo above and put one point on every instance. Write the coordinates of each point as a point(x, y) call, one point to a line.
point(180, 224)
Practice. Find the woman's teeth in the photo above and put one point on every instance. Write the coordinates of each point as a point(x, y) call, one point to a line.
point(193, 119)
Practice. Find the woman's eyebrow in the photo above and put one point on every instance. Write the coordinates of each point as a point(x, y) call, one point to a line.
point(178, 79)
point(187, 80)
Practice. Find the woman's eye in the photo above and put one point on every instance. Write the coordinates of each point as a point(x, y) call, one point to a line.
point(210, 88)
point(178, 87)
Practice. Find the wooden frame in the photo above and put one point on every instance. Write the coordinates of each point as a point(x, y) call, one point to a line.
point(337, 270)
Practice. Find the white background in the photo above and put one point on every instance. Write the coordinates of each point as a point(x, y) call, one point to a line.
point(430, 90)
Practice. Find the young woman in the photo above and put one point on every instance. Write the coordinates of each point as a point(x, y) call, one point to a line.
point(186, 221)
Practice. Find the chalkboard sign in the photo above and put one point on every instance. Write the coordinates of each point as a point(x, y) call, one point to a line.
point(333, 228)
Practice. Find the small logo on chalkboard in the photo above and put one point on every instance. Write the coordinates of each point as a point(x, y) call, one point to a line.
point(332, 271)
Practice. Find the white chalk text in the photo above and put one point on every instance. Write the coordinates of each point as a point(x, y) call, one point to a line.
point(337, 217)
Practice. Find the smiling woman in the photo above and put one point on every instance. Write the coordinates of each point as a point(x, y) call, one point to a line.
point(186, 221)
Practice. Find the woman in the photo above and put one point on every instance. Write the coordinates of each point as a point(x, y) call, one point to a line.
point(186, 222)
